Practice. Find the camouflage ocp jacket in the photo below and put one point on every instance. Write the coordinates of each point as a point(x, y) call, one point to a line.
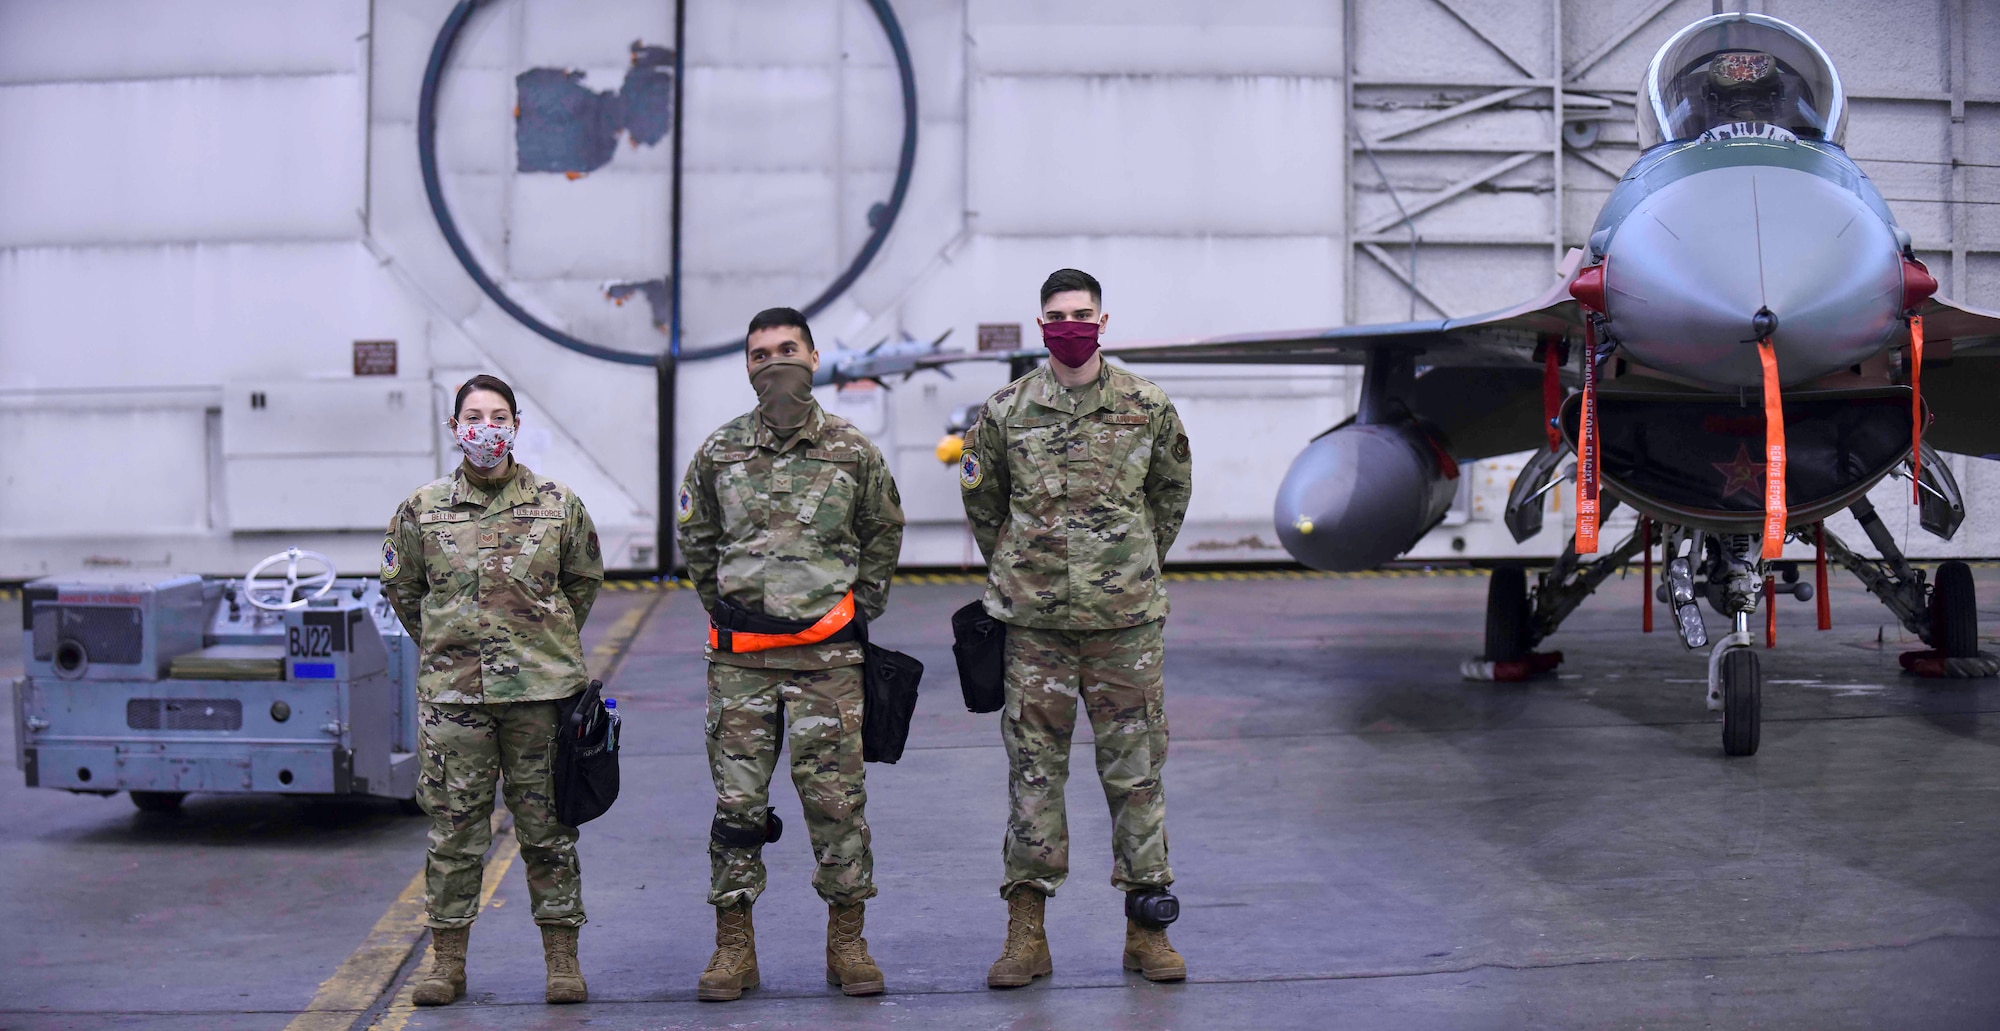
point(1074, 496)
point(787, 528)
point(494, 581)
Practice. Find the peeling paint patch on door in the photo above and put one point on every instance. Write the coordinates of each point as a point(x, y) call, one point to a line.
point(653, 290)
point(561, 125)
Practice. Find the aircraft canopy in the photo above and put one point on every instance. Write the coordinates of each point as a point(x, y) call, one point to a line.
point(1736, 69)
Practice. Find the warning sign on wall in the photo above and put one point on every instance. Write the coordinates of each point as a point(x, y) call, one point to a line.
point(999, 336)
point(374, 357)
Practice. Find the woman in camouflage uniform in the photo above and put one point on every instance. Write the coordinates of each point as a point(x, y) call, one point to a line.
point(493, 570)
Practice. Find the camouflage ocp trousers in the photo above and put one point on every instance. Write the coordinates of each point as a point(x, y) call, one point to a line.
point(1117, 673)
point(819, 713)
point(466, 748)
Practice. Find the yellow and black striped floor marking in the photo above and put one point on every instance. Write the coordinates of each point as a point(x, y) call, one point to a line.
point(971, 577)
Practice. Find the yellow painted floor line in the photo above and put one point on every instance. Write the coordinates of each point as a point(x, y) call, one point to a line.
point(403, 1006)
point(368, 971)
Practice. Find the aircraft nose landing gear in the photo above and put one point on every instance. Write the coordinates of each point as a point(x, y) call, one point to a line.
point(1735, 679)
point(1736, 686)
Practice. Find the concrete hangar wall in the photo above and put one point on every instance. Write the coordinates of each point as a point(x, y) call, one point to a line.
point(208, 202)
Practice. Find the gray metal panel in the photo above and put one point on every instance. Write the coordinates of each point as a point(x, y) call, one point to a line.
point(144, 39)
point(1249, 172)
point(1161, 37)
point(182, 160)
point(292, 418)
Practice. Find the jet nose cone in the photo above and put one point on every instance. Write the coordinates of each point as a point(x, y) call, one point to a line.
point(1763, 325)
point(1717, 260)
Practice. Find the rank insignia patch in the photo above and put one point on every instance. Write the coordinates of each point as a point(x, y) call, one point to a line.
point(684, 507)
point(969, 473)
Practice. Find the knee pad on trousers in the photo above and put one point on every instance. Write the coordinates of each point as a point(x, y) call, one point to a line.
point(1152, 907)
point(730, 835)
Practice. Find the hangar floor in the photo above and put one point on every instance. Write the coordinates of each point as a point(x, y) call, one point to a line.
point(1362, 840)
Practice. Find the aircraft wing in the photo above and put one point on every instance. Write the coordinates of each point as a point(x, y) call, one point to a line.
point(1961, 377)
point(1504, 338)
point(1479, 383)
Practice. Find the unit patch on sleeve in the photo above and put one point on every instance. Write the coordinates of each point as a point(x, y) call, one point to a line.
point(684, 507)
point(969, 473)
point(389, 566)
point(1180, 447)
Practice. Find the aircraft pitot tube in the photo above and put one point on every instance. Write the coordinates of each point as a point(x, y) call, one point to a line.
point(1360, 495)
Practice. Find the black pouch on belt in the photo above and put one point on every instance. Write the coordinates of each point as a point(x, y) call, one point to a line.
point(888, 698)
point(979, 643)
point(586, 757)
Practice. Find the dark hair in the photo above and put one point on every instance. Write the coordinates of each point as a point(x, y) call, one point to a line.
point(485, 382)
point(1071, 279)
point(777, 318)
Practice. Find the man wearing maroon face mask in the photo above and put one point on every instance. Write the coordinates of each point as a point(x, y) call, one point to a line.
point(1075, 479)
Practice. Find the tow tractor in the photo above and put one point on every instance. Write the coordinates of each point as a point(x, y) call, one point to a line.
point(173, 684)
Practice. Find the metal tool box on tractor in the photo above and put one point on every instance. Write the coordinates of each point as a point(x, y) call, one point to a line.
point(171, 684)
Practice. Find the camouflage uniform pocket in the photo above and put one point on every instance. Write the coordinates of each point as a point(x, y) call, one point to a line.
point(713, 724)
point(431, 778)
point(541, 551)
point(1114, 439)
point(829, 502)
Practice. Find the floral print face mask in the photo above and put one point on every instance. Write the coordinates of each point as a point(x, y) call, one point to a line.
point(486, 446)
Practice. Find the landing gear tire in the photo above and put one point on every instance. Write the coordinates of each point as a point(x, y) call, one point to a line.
point(1507, 614)
point(1742, 702)
point(158, 801)
point(1954, 612)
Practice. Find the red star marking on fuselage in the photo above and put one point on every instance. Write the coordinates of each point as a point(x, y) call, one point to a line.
point(1742, 475)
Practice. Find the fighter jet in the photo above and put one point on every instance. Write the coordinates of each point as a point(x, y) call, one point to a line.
point(1747, 346)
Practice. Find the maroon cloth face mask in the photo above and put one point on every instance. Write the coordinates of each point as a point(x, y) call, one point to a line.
point(1071, 343)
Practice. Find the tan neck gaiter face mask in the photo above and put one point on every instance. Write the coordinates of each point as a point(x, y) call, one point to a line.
point(784, 394)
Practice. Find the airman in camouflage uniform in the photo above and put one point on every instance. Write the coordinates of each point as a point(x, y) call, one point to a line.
point(1075, 494)
point(493, 577)
point(783, 512)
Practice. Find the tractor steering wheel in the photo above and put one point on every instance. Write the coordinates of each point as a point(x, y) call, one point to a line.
point(322, 581)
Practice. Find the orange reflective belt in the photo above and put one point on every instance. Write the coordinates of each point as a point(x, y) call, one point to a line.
point(828, 625)
point(1916, 408)
point(1774, 452)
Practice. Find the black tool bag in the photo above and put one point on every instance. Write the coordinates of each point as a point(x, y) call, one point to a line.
point(586, 757)
point(979, 643)
point(889, 698)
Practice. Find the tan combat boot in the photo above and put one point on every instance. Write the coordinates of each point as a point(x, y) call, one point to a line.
point(734, 965)
point(1148, 951)
point(1026, 954)
point(847, 961)
point(565, 982)
point(444, 982)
